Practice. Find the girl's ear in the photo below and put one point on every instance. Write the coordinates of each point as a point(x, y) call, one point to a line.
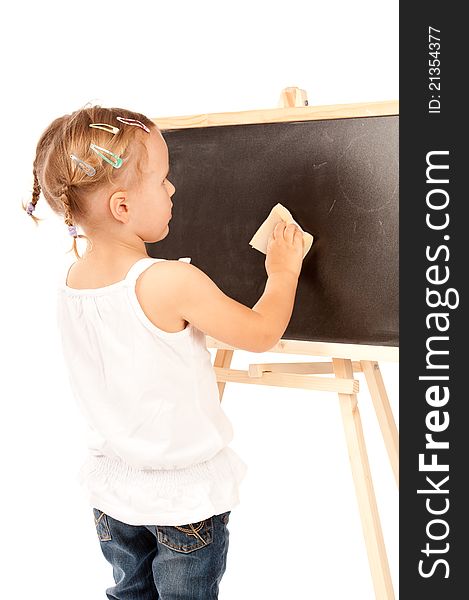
point(119, 206)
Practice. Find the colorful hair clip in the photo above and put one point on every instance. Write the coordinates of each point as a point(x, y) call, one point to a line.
point(133, 122)
point(116, 163)
point(105, 127)
point(84, 166)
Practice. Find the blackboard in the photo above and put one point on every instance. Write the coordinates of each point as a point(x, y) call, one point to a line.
point(339, 180)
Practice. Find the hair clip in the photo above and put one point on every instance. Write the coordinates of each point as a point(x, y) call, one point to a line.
point(105, 127)
point(84, 166)
point(133, 122)
point(116, 163)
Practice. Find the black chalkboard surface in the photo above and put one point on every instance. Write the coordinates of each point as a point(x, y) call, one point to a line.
point(339, 180)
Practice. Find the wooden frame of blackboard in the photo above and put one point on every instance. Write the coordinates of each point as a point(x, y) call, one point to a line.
point(280, 115)
point(345, 358)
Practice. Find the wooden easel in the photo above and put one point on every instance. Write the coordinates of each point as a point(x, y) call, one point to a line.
point(345, 359)
point(307, 375)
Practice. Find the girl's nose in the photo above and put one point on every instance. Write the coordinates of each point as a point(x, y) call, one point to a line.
point(171, 187)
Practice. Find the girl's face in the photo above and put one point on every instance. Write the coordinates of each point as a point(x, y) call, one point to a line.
point(151, 220)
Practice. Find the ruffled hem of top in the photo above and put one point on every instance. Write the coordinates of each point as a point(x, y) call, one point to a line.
point(163, 497)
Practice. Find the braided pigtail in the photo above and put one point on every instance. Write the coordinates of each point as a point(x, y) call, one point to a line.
point(35, 197)
point(72, 229)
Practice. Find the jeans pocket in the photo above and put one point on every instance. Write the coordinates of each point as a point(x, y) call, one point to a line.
point(102, 525)
point(186, 538)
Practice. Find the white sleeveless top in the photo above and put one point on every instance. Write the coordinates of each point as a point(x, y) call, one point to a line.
point(157, 435)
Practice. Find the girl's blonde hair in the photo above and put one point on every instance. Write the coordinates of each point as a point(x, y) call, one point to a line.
point(64, 185)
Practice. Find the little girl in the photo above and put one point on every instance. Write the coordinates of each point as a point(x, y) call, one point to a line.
point(160, 476)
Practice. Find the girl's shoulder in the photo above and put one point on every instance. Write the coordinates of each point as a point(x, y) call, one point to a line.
point(157, 289)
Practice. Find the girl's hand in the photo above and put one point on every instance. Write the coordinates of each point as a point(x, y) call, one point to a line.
point(284, 250)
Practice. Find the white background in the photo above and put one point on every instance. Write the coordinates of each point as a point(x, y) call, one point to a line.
point(297, 532)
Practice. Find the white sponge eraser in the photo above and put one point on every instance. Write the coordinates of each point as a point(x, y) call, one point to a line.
point(277, 214)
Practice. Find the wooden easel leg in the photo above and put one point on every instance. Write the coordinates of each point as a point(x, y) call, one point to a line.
point(383, 412)
point(222, 359)
point(371, 524)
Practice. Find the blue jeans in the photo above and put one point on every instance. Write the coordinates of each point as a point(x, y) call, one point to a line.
point(163, 562)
